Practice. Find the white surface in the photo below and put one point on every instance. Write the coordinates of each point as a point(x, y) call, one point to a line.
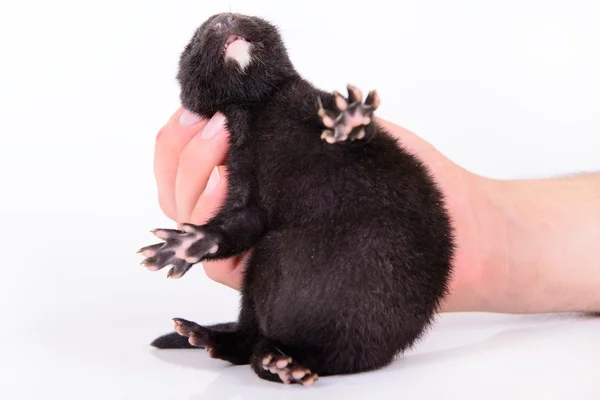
point(507, 89)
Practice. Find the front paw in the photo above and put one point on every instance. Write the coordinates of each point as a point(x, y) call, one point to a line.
point(181, 249)
point(353, 118)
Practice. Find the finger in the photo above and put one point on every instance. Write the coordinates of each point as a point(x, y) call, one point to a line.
point(212, 198)
point(170, 142)
point(196, 162)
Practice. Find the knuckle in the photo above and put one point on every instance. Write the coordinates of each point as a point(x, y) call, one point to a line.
point(193, 153)
point(187, 155)
point(163, 135)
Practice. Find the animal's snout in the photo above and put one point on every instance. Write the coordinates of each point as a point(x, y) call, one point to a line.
point(223, 22)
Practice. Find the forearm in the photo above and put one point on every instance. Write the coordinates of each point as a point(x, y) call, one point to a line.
point(552, 243)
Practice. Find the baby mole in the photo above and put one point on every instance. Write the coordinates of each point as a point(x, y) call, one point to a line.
point(352, 244)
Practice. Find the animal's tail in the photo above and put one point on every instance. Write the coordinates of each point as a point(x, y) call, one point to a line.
point(172, 341)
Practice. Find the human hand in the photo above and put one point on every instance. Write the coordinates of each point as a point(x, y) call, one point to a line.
point(480, 262)
point(192, 182)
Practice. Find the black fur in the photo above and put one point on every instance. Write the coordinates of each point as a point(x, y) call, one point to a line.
point(172, 341)
point(352, 243)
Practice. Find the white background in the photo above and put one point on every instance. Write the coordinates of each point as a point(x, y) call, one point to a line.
point(508, 89)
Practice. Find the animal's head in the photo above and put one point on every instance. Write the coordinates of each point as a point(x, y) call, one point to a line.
point(232, 59)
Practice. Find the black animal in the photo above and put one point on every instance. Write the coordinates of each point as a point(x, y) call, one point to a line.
point(352, 243)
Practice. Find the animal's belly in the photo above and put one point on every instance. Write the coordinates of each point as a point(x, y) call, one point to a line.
point(329, 280)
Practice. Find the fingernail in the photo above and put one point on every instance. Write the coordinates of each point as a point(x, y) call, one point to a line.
point(214, 126)
point(213, 181)
point(188, 118)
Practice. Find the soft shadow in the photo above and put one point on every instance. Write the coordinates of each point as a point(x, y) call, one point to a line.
point(560, 322)
point(233, 382)
point(240, 382)
point(464, 320)
point(190, 358)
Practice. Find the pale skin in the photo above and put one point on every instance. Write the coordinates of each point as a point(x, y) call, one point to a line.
point(522, 246)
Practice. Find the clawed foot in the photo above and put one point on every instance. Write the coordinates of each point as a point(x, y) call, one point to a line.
point(181, 249)
point(353, 117)
point(288, 370)
point(198, 335)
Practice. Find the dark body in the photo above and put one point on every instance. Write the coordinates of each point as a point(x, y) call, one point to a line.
point(352, 243)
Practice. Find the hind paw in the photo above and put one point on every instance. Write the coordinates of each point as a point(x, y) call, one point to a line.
point(288, 370)
point(197, 334)
point(181, 249)
point(353, 118)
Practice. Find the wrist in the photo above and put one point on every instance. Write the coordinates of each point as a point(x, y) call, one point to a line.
point(531, 249)
point(481, 262)
point(552, 234)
